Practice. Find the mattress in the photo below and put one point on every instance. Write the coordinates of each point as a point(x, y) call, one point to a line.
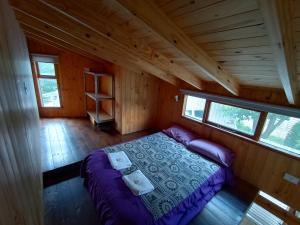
point(184, 182)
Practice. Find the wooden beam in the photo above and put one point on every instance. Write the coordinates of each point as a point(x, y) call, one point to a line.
point(49, 35)
point(49, 40)
point(53, 35)
point(161, 24)
point(61, 26)
point(278, 21)
point(88, 13)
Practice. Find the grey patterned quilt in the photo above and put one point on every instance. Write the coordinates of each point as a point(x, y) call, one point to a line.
point(174, 171)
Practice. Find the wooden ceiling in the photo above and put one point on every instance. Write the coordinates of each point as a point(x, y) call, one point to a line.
point(231, 42)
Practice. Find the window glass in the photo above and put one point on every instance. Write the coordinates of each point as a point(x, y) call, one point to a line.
point(46, 69)
point(282, 131)
point(235, 118)
point(49, 92)
point(194, 107)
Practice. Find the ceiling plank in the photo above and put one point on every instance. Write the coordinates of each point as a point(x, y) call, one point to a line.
point(52, 41)
point(87, 13)
point(49, 19)
point(82, 10)
point(46, 31)
point(160, 23)
point(278, 21)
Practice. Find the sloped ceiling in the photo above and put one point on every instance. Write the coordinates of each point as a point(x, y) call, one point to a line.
point(230, 39)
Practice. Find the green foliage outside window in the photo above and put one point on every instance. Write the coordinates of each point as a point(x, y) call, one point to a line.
point(292, 139)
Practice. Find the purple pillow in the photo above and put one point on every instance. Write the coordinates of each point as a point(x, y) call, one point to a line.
point(180, 134)
point(214, 151)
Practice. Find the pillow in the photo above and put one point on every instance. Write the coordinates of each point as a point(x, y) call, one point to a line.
point(214, 151)
point(180, 134)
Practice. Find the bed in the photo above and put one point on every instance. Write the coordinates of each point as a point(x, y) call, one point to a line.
point(184, 182)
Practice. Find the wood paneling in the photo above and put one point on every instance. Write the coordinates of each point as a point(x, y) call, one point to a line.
point(232, 32)
point(88, 13)
point(258, 165)
point(48, 19)
point(295, 14)
point(70, 78)
point(136, 100)
point(279, 24)
point(162, 26)
point(20, 162)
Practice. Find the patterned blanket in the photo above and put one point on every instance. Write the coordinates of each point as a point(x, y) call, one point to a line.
point(174, 171)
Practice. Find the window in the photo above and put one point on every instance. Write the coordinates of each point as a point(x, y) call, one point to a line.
point(194, 107)
point(282, 131)
point(46, 77)
point(277, 131)
point(234, 118)
point(274, 201)
point(46, 69)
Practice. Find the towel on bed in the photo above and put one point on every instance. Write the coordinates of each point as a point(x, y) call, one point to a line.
point(138, 183)
point(119, 160)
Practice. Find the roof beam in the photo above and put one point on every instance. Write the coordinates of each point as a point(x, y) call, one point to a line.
point(52, 41)
point(87, 14)
point(58, 25)
point(160, 23)
point(278, 21)
point(46, 32)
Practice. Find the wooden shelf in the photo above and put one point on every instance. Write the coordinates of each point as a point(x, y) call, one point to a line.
point(98, 74)
point(98, 97)
point(98, 115)
point(103, 117)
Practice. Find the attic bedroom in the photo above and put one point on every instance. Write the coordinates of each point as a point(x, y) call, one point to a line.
point(157, 112)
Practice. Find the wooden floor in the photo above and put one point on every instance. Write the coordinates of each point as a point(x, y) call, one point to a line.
point(68, 203)
point(65, 141)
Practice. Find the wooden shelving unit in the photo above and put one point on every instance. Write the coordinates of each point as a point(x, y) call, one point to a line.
point(99, 116)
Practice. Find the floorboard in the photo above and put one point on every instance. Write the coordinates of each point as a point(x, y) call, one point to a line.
point(69, 203)
point(66, 141)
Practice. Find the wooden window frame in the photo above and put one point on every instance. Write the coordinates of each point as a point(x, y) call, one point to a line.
point(189, 117)
point(258, 128)
point(38, 76)
point(230, 129)
point(251, 138)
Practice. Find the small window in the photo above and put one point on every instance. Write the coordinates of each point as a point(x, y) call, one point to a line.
point(46, 69)
point(47, 83)
point(234, 118)
point(49, 92)
point(194, 107)
point(282, 131)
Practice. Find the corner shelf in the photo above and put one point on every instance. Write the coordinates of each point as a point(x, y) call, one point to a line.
point(99, 116)
point(98, 97)
point(102, 117)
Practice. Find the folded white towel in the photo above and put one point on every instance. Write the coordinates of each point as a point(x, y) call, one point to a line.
point(138, 183)
point(119, 160)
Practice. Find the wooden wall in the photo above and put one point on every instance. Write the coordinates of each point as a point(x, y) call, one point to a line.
point(136, 100)
point(70, 68)
point(258, 165)
point(20, 161)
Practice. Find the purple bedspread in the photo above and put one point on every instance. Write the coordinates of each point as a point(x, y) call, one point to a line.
point(116, 205)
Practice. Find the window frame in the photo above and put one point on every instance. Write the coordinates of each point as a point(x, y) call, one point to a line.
point(190, 117)
point(230, 129)
point(38, 76)
point(251, 138)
